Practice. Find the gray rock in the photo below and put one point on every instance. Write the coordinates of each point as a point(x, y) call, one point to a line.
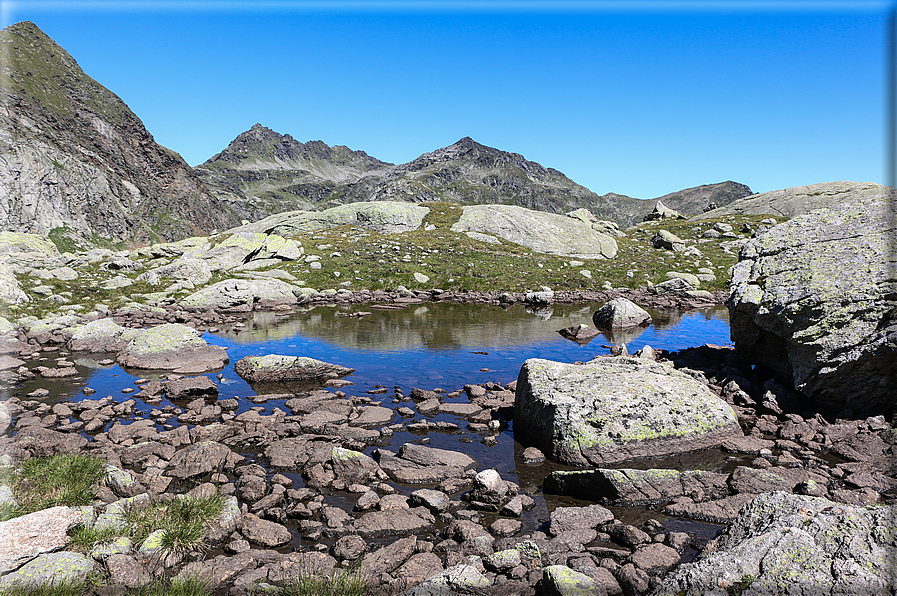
point(619, 314)
point(26, 537)
point(434, 500)
point(582, 334)
point(539, 231)
point(102, 335)
point(234, 293)
point(614, 409)
point(717, 511)
point(812, 299)
point(10, 290)
point(560, 580)
point(50, 568)
point(263, 532)
point(385, 217)
point(667, 240)
point(565, 519)
point(199, 459)
point(459, 579)
point(417, 569)
point(628, 487)
point(349, 548)
point(126, 571)
point(275, 368)
point(354, 467)
point(388, 558)
point(171, 347)
point(393, 522)
point(789, 540)
point(190, 388)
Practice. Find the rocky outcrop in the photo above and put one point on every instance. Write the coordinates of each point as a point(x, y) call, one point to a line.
point(615, 409)
point(241, 294)
point(791, 202)
point(541, 232)
point(814, 300)
point(76, 160)
point(810, 543)
point(385, 217)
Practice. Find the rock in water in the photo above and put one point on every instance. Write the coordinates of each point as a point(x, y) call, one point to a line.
point(615, 409)
point(619, 314)
point(814, 299)
point(813, 544)
point(172, 347)
point(275, 368)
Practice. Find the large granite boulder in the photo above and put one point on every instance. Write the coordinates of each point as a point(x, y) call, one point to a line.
point(789, 544)
point(619, 314)
point(385, 217)
point(237, 293)
point(814, 300)
point(172, 347)
point(548, 233)
point(10, 290)
point(615, 409)
point(101, 335)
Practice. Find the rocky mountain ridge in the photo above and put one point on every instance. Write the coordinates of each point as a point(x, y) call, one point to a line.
point(262, 172)
point(75, 159)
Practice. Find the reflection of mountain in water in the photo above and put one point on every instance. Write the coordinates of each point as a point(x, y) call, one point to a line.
point(434, 326)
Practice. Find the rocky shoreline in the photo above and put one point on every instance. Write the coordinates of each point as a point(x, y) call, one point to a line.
point(460, 532)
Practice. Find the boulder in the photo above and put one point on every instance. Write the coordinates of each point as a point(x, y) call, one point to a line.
point(48, 569)
point(813, 544)
point(614, 409)
point(102, 335)
point(171, 347)
point(813, 299)
point(538, 231)
point(24, 538)
point(667, 240)
point(661, 211)
point(619, 314)
point(275, 368)
point(10, 290)
point(581, 334)
point(194, 271)
point(385, 217)
point(237, 293)
point(560, 580)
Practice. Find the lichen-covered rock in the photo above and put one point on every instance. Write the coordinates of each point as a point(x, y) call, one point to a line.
point(195, 271)
point(619, 314)
point(276, 368)
point(614, 409)
point(781, 543)
point(102, 335)
point(24, 538)
point(235, 293)
point(538, 231)
point(814, 300)
point(560, 580)
point(51, 568)
point(10, 290)
point(460, 579)
point(171, 347)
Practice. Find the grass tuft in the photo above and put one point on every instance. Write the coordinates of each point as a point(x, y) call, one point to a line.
point(341, 582)
point(185, 521)
point(43, 482)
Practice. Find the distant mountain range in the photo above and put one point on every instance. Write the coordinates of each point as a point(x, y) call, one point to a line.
point(75, 159)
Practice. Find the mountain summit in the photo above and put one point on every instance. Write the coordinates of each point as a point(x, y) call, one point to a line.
point(74, 158)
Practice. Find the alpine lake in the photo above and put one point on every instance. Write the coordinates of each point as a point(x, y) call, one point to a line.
point(431, 346)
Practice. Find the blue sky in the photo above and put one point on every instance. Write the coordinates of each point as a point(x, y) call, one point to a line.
point(637, 98)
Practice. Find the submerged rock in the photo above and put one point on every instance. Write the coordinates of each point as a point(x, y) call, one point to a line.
point(814, 300)
point(614, 409)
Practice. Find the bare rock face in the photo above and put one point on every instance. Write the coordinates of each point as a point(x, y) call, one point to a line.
point(815, 300)
point(614, 409)
point(808, 542)
point(73, 155)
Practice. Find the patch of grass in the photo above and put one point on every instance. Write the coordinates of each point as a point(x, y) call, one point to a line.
point(65, 479)
point(442, 214)
point(185, 521)
point(342, 582)
point(54, 589)
point(185, 586)
point(84, 539)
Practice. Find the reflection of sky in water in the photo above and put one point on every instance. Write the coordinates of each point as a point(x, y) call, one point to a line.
point(507, 338)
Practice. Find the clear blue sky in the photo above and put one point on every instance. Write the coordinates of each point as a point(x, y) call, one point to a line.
point(634, 98)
